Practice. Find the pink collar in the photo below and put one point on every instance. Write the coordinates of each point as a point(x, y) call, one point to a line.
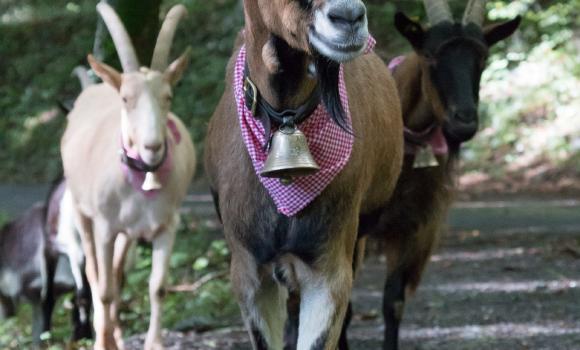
point(431, 136)
point(329, 144)
point(136, 177)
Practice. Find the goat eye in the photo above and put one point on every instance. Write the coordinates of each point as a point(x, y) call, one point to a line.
point(125, 99)
point(306, 4)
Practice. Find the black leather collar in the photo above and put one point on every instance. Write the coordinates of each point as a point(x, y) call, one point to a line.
point(267, 115)
point(141, 166)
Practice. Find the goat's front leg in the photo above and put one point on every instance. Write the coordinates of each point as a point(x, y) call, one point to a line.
point(324, 301)
point(162, 248)
point(261, 299)
point(105, 289)
point(7, 308)
point(122, 245)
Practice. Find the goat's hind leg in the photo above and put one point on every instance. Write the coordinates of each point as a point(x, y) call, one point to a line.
point(162, 248)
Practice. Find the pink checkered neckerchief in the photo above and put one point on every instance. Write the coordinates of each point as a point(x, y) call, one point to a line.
point(431, 136)
point(329, 144)
point(136, 178)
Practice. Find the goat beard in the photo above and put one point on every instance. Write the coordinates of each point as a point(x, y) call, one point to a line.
point(327, 72)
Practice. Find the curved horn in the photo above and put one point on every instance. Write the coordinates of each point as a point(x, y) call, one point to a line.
point(474, 12)
point(122, 41)
point(438, 11)
point(165, 37)
point(83, 75)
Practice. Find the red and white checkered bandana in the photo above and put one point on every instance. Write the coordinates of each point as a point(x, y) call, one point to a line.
point(329, 144)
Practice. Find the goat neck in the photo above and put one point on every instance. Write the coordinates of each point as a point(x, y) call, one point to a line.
point(280, 72)
point(419, 104)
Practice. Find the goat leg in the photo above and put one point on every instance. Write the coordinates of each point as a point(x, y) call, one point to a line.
point(262, 301)
point(102, 283)
point(162, 248)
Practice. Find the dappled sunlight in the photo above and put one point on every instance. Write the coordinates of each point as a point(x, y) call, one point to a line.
point(493, 331)
point(505, 286)
point(26, 13)
point(482, 255)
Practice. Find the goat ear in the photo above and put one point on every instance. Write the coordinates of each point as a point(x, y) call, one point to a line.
point(497, 32)
point(174, 72)
point(410, 29)
point(105, 72)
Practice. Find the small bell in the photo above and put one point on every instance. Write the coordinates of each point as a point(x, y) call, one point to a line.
point(425, 158)
point(151, 182)
point(289, 155)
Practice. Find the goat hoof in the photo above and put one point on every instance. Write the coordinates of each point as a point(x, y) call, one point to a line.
point(155, 345)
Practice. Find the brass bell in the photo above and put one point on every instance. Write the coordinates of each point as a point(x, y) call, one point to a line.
point(289, 155)
point(425, 158)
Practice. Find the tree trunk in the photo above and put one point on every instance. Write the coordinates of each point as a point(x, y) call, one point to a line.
point(141, 19)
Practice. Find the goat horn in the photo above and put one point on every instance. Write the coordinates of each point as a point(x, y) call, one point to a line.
point(438, 11)
point(122, 41)
point(165, 37)
point(474, 12)
point(83, 75)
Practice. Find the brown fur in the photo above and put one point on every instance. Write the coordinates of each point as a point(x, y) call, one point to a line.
point(365, 184)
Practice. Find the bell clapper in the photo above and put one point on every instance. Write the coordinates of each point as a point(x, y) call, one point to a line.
point(286, 181)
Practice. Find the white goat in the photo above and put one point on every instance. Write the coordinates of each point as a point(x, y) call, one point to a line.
point(117, 201)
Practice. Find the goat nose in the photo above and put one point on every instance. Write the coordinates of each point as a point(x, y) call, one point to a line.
point(348, 16)
point(468, 115)
point(153, 147)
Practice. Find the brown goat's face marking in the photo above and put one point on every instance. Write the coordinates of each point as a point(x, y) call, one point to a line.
point(336, 29)
point(453, 58)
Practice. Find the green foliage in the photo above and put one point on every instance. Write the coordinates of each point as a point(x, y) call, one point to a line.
point(42, 43)
point(531, 90)
point(211, 306)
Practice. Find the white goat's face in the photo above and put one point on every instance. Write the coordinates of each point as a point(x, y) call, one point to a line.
point(146, 96)
point(146, 99)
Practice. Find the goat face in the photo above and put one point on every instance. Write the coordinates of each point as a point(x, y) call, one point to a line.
point(146, 96)
point(453, 59)
point(336, 29)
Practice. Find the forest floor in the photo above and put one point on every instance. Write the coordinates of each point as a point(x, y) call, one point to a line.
point(506, 276)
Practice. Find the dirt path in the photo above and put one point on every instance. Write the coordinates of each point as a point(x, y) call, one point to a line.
point(507, 276)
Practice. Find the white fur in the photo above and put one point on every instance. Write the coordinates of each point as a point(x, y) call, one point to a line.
point(315, 314)
point(327, 39)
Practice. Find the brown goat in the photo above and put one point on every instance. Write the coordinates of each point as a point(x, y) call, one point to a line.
point(295, 48)
point(439, 88)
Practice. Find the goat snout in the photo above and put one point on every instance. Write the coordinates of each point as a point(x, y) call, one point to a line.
point(462, 124)
point(465, 115)
point(348, 17)
point(153, 147)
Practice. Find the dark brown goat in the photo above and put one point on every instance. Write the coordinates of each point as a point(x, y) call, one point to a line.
point(31, 268)
point(439, 88)
point(311, 253)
